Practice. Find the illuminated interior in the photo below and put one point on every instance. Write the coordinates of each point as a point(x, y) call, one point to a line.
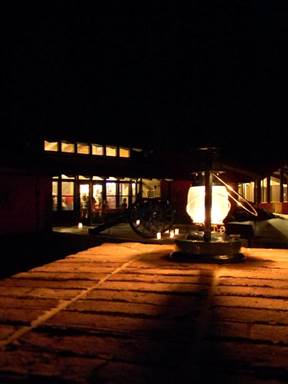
point(111, 151)
point(124, 152)
point(67, 147)
point(87, 149)
point(196, 204)
point(51, 146)
point(83, 148)
point(97, 150)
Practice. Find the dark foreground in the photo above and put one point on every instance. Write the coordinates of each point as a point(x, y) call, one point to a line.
point(21, 252)
point(128, 313)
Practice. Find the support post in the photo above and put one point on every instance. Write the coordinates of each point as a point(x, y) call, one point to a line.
point(208, 205)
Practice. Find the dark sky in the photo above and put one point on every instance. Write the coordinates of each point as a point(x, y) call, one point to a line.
point(212, 71)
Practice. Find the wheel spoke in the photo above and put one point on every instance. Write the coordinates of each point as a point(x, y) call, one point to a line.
point(149, 216)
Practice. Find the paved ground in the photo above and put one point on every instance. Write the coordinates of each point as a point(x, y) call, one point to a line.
point(119, 233)
point(24, 251)
point(272, 233)
point(128, 313)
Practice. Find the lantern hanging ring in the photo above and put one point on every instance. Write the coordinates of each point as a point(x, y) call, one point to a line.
point(232, 194)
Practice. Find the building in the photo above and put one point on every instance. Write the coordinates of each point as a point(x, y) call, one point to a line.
point(55, 182)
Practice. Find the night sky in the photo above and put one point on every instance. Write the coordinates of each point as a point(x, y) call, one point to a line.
point(214, 71)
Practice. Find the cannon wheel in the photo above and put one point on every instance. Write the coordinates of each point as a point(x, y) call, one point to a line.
point(149, 216)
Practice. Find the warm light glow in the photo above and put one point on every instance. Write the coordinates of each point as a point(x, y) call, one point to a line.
point(176, 231)
point(84, 189)
point(50, 146)
point(80, 225)
point(138, 222)
point(67, 147)
point(97, 150)
point(172, 234)
point(158, 235)
point(196, 204)
point(111, 151)
point(124, 152)
point(83, 148)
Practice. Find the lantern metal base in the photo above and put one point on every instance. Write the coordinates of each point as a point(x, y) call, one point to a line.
point(223, 251)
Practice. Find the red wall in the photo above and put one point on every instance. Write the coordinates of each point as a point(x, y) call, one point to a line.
point(178, 197)
point(24, 203)
point(275, 207)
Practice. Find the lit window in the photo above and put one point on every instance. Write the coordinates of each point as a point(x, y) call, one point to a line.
point(67, 201)
point(124, 189)
point(111, 190)
point(111, 151)
point(124, 152)
point(66, 177)
point(123, 195)
point(275, 189)
point(285, 197)
point(97, 178)
point(133, 192)
point(67, 147)
point(246, 190)
point(151, 188)
point(51, 146)
point(97, 150)
point(264, 184)
point(83, 148)
point(97, 198)
point(54, 195)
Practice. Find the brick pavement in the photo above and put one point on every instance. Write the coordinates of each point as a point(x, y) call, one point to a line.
point(127, 313)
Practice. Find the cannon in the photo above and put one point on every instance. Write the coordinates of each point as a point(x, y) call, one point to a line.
point(146, 217)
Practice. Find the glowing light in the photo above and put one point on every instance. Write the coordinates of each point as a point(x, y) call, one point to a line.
point(158, 235)
point(171, 234)
point(196, 204)
point(138, 222)
point(80, 225)
point(176, 231)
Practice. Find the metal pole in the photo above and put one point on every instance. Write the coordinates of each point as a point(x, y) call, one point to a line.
point(208, 205)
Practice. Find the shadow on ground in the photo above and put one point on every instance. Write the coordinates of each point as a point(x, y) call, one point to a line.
point(25, 251)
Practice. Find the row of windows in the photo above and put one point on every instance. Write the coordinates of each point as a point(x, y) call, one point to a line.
point(111, 194)
point(275, 187)
point(247, 190)
point(98, 192)
point(86, 149)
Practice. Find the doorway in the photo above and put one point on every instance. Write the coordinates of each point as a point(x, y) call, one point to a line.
point(85, 202)
point(91, 198)
point(96, 203)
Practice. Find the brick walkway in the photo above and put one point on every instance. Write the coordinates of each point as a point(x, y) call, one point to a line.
point(127, 313)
